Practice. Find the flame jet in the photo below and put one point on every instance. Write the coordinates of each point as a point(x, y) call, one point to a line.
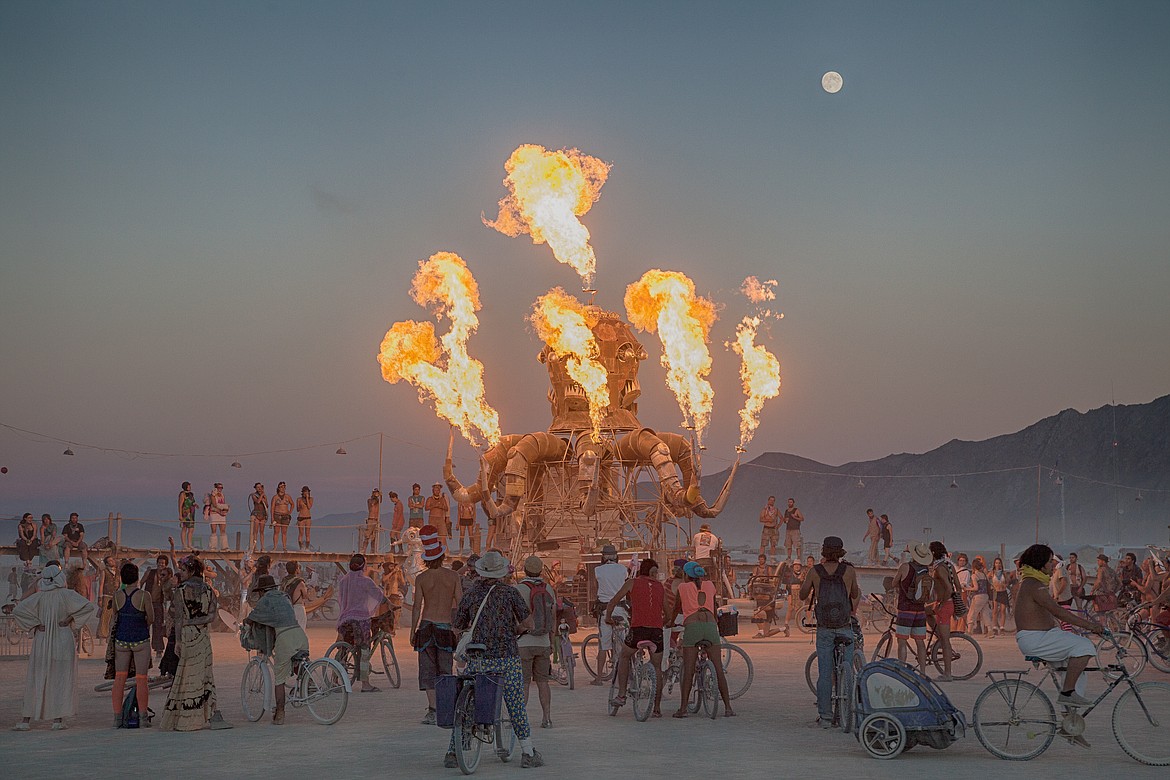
point(548, 191)
point(760, 373)
point(445, 373)
point(562, 323)
point(665, 302)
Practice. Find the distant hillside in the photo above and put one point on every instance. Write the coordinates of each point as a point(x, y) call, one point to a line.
point(985, 509)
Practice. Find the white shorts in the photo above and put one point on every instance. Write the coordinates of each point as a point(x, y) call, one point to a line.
point(1056, 645)
point(605, 630)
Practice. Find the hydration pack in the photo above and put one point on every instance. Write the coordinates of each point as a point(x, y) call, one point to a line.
point(834, 607)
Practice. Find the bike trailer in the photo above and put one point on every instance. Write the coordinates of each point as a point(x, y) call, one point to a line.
point(899, 708)
point(489, 695)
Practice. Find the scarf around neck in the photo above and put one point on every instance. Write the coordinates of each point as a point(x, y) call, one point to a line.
point(1028, 573)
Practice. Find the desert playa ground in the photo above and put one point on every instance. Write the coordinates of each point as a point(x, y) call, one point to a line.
point(381, 736)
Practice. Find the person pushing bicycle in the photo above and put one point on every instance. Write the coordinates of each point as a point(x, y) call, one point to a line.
point(647, 616)
point(283, 637)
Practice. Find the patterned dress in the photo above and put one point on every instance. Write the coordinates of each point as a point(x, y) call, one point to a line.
point(192, 697)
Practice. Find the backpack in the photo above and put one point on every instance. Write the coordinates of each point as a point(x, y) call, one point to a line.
point(921, 586)
point(544, 608)
point(130, 710)
point(833, 608)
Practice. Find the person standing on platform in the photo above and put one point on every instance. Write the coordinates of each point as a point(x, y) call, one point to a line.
point(770, 532)
point(186, 516)
point(397, 524)
point(468, 527)
point(259, 518)
point(793, 540)
point(50, 688)
point(415, 504)
point(282, 509)
point(369, 541)
point(873, 534)
point(218, 518)
point(439, 512)
point(304, 521)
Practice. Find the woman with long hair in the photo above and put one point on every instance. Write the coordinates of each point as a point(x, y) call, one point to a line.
point(979, 618)
point(191, 703)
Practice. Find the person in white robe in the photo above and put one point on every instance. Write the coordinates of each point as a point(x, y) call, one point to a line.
point(50, 688)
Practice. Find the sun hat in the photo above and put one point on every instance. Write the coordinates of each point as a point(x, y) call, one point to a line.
point(264, 582)
point(533, 566)
point(920, 552)
point(432, 545)
point(492, 565)
point(694, 570)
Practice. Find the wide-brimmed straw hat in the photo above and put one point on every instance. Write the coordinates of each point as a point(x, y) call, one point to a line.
point(920, 553)
point(492, 565)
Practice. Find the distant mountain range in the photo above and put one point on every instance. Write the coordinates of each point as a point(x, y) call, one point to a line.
point(981, 493)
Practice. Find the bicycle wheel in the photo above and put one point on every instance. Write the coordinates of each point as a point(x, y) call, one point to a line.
point(799, 616)
point(342, 652)
point(1141, 723)
point(324, 691)
point(812, 669)
point(328, 610)
point(1122, 649)
point(467, 744)
point(1014, 720)
point(505, 737)
point(708, 684)
point(966, 656)
point(568, 660)
point(254, 688)
point(390, 662)
point(85, 641)
point(847, 692)
point(737, 668)
point(1158, 647)
point(643, 687)
point(882, 648)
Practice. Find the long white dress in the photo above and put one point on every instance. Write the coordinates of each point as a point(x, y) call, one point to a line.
point(50, 688)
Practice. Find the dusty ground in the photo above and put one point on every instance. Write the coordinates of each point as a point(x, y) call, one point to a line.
point(381, 734)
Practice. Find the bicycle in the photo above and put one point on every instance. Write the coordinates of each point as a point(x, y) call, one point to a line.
point(812, 668)
point(591, 644)
point(469, 735)
point(321, 685)
point(381, 645)
point(729, 652)
point(964, 648)
point(563, 657)
point(1148, 640)
point(1015, 720)
point(641, 686)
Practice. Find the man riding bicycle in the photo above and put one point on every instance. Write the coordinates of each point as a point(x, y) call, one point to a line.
point(609, 576)
point(647, 616)
point(283, 637)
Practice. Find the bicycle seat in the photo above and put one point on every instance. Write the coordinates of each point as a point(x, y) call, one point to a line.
point(703, 644)
point(647, 644)
point(842, 640)
point(476, 647)
point(1034, 659)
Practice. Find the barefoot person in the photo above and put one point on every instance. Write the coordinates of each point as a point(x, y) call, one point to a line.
point(50, 687)
point(1039, 634)
point(437, 594)
point(187, 506)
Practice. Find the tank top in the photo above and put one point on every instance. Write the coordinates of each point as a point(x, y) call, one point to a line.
point(646, 596)
point(132, 625)
point(689, 593)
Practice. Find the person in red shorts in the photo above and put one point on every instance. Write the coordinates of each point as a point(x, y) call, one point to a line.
point(942, 610)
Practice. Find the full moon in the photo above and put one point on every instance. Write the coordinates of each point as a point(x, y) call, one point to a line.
point(831, 82)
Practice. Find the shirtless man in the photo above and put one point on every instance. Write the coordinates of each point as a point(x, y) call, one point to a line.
point(397, 524)
point(259, 517)
point(468, 529)
point(282, 509)
point(439, 512)
point(393, 586)
point(373, 522)
point(770, 532)
point(1040, 635)
point(304, 520)
point(873, 534)
point(437, 594)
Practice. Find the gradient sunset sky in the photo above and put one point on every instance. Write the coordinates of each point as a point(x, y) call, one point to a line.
point(210, 214)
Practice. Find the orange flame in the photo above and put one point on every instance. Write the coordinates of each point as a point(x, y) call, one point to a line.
point(665, 302)
point(549, 190)
point(411, 352)
point(760, 373)
point(563, 323)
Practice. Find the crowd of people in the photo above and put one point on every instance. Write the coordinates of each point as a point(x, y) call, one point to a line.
point(164, 615)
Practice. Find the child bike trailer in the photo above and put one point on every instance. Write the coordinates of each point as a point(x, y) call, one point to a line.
point(899, 708)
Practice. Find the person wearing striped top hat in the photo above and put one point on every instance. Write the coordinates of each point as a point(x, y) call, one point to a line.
point(437, 593)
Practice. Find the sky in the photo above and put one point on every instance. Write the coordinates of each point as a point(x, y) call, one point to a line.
point(210, 214)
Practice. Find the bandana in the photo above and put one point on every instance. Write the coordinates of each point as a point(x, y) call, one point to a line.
point(1028, 573)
